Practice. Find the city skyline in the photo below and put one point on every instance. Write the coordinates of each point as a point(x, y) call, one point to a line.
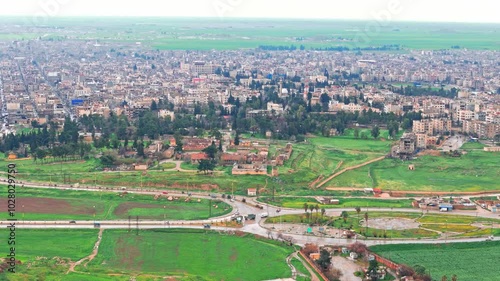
point(381, 10)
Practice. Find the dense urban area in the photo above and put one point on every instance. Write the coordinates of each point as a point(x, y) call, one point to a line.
point(315, 163)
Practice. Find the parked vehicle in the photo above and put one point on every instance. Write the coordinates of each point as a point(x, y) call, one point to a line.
point(206, 226)
point(250, 217)
point(264, 215)
point(72, 221)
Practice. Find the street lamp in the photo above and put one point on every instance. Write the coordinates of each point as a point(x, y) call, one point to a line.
point(164, 210)
point(23, 212)
point(94, 213)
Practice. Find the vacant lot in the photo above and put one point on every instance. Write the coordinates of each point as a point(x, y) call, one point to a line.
point(469, 261)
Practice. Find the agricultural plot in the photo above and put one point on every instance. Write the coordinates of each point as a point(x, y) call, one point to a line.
point(50, 204)
point(193, 34)
point(469, 261)
point(191, 254)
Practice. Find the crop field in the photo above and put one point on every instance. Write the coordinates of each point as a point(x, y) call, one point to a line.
point(469, 261)
point(51, 204)
point(475, 171)
point(196, 254)
point(298, 202)
point(230, 34)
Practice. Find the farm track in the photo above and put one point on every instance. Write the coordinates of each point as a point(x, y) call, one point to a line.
point(90, 257)
point(350, 169)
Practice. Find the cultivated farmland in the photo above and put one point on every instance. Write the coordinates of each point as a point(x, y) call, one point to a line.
point(469, 261)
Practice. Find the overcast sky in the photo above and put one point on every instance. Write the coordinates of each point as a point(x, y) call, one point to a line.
point(399, 10)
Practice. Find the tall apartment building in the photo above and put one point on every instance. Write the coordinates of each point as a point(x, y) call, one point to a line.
point(482, 129)
point(432, 126)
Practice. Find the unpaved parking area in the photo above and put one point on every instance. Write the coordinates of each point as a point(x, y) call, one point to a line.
point(392, 223)
point(347, 267)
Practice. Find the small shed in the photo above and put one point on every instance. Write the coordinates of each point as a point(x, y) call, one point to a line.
point(252, 192)
point(314, 256)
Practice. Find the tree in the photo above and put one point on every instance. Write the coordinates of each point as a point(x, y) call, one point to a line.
point(372, 270)
point(211, 150)
point(454, 278)
point(237, 139)
point(206, 166)
point(140, 149)
point(444, 278)
point(324, 259)
point(358, 248)
point(306, 208)
point(358, 210)
point(375, 132)
point(154, 106)
point(323, 211)
point(344, 216)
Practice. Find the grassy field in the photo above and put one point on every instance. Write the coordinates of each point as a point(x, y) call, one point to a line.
point(310, 162)
point(52, 204)
point(298, 202)
point(475, 171)
point(150, 256)
point(214, 33)
point(469, 261)
point(191, 253)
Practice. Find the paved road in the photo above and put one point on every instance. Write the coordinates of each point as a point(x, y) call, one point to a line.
point(255, 227)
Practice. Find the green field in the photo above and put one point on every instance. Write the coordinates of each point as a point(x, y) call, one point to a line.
point(475, 171)
point(152, 255)
point(469, 261)
point(53, 204)
point(191, 253)
point(344, 202)
point(230, 34)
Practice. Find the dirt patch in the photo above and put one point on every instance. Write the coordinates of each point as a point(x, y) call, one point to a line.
point(392, 223)
point(429, 152)
point(128, 253)
point(49, 206)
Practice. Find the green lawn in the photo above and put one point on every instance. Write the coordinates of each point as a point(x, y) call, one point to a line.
point(79, 205)
point(190, 253)
point(469, 261)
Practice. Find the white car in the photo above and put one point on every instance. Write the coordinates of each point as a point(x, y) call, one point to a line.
point(264, 215)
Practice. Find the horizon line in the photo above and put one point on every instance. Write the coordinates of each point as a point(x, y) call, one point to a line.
point(242, 18)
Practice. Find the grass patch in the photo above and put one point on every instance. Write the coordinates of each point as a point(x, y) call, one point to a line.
point(298, 202)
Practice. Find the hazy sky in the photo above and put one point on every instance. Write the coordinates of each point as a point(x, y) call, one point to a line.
point(400, 10)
